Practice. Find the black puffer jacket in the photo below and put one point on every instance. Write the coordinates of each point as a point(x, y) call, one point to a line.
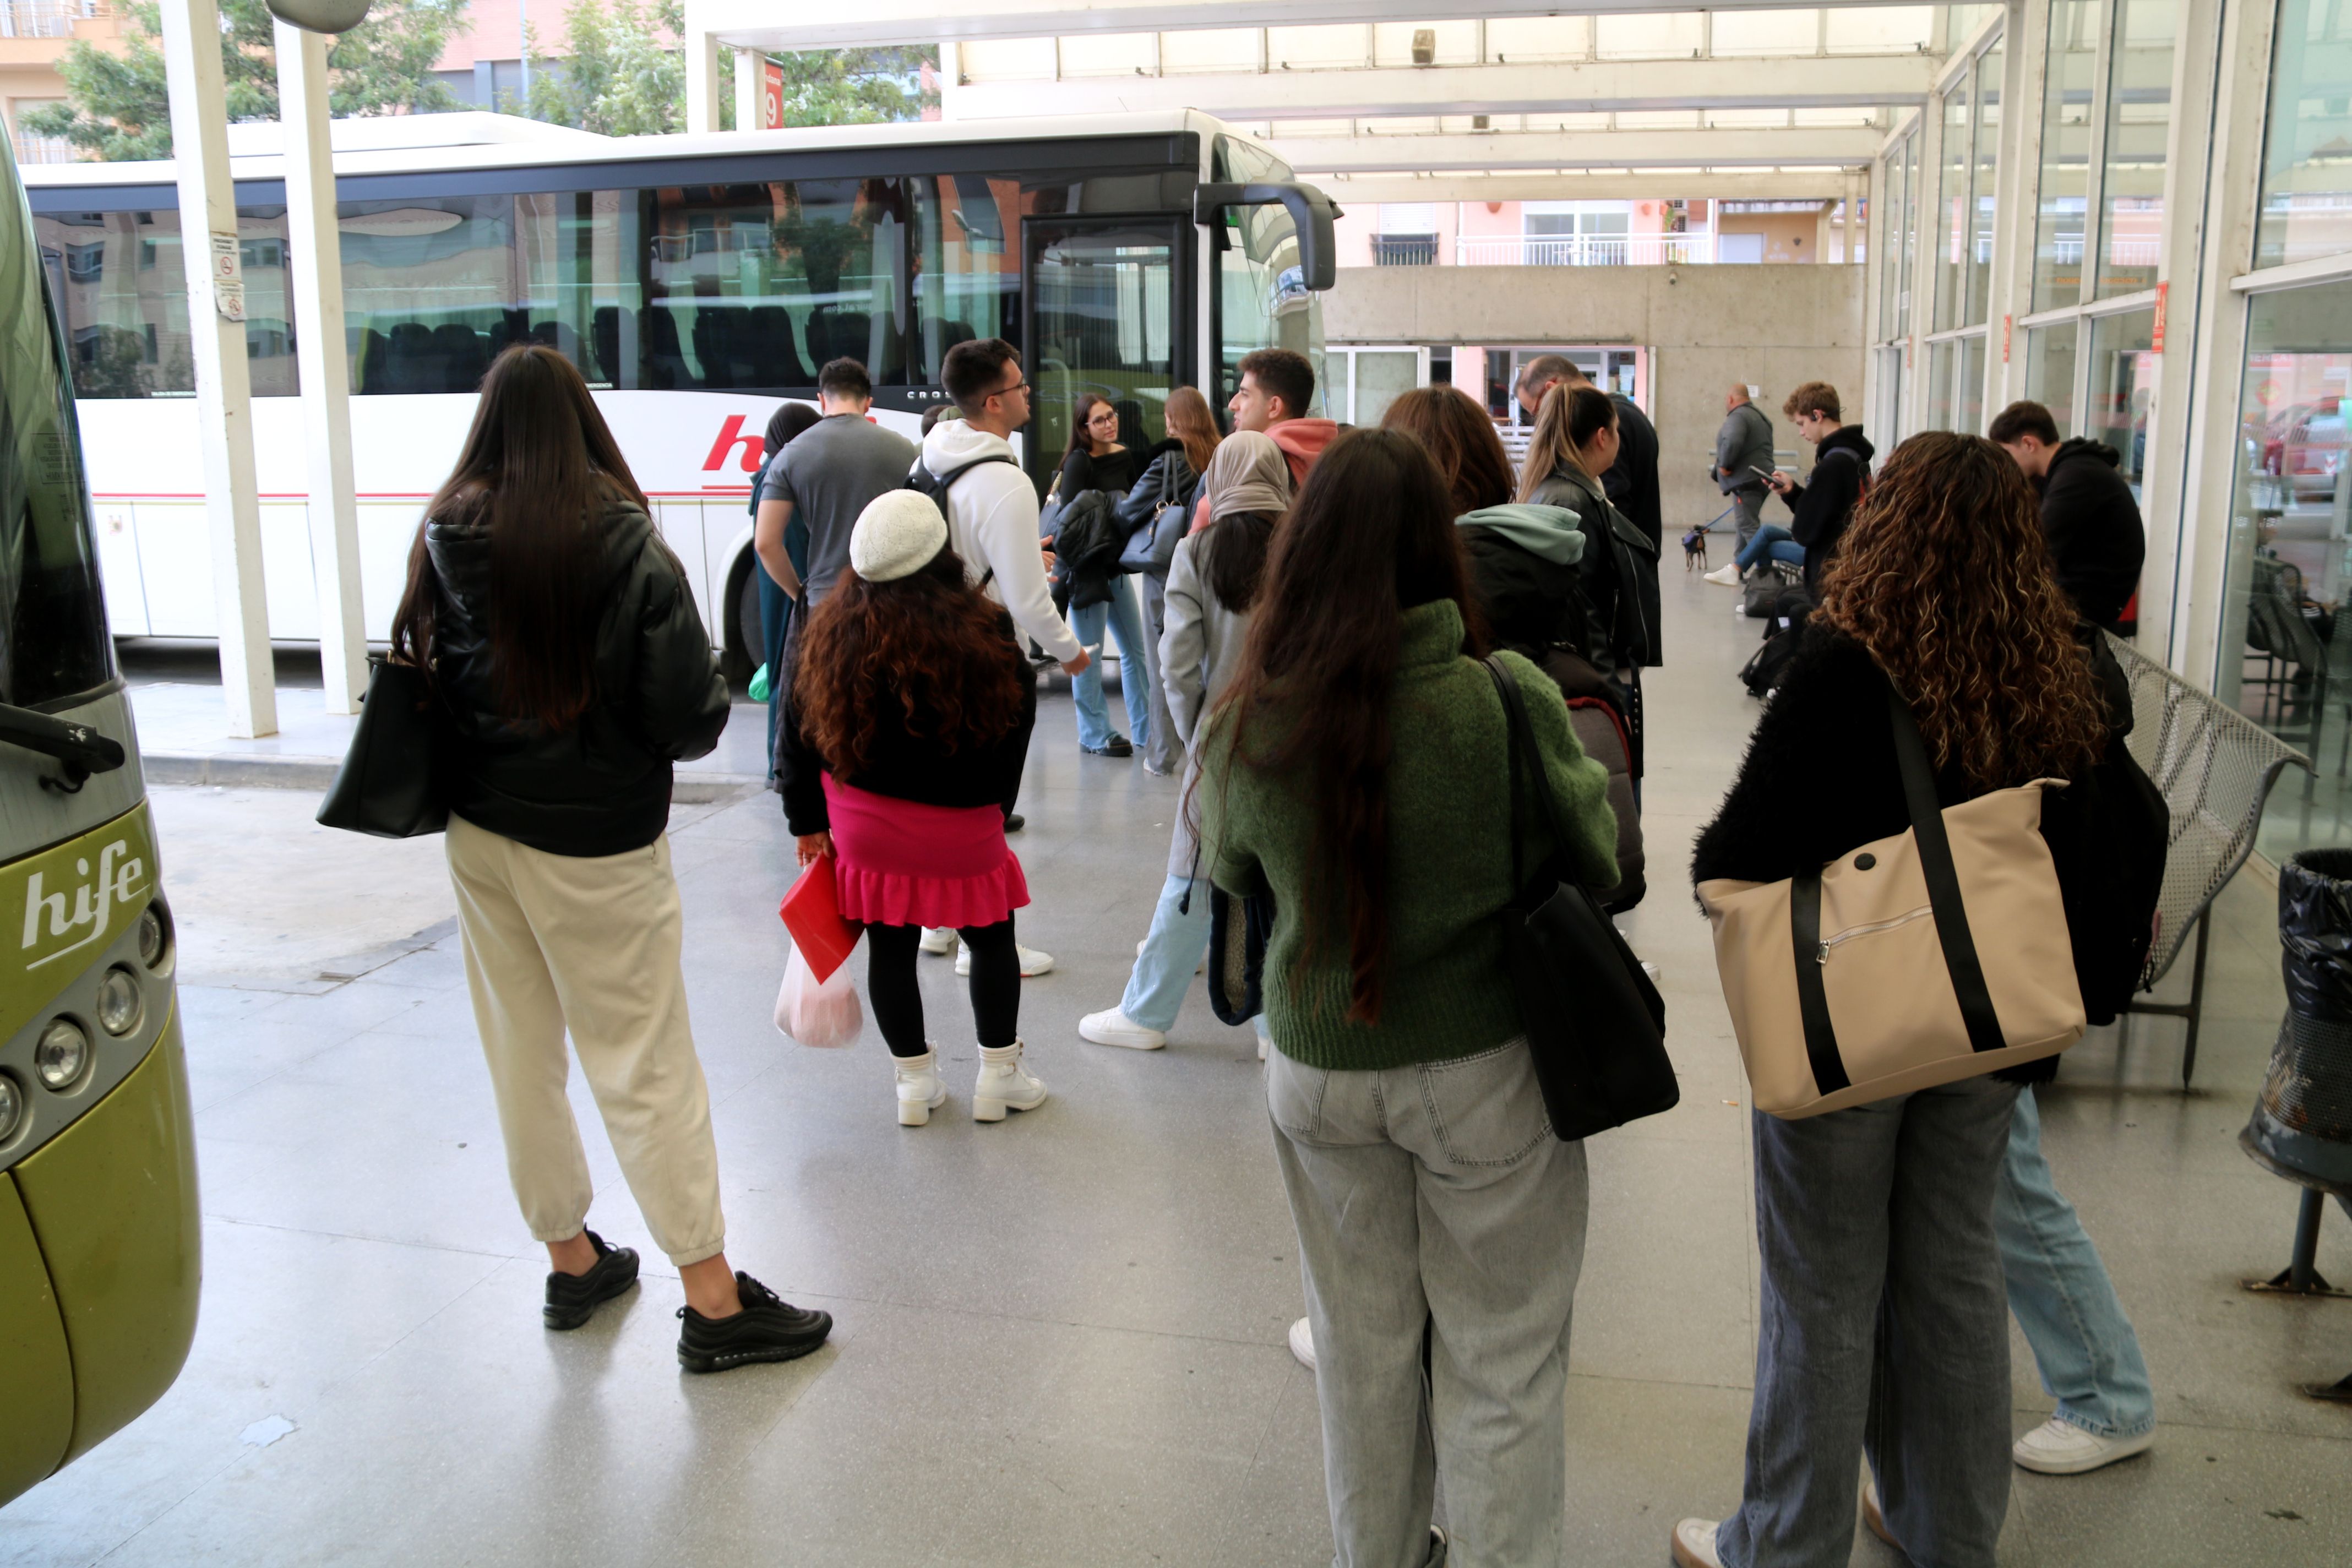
point(602, 787)
point(2097, 542)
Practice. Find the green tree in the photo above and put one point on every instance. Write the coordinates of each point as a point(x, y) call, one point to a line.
point(626, 77)
point(119, 107)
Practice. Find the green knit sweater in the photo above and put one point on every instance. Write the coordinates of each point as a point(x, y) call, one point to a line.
point(1445, 992)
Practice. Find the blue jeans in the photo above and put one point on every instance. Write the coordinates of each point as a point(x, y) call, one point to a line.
point(1882, 1332)
point(1173, 950)
point(2083, 1344)
point(1134, 669)
point(1772, 540)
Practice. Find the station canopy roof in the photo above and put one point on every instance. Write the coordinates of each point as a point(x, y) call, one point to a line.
point(1378, 99)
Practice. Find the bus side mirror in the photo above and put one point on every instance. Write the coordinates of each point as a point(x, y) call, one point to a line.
point(1310, 210)
point(321, 15)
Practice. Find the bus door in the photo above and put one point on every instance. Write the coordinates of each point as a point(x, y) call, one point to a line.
point(1108, 312)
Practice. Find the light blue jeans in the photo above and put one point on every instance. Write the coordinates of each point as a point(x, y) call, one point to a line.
point(2083, 1344)
point(1134, 669)
point(1173, 950)
point(1771, 541)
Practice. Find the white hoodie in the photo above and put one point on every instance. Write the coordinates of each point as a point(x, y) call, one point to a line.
point(992, 524)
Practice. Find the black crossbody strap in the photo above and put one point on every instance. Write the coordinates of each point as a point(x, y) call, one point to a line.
point(1942, 880)
point(1508, 691)
point(1812, 998)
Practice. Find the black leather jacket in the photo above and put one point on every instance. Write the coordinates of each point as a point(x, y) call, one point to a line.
point(601, 786)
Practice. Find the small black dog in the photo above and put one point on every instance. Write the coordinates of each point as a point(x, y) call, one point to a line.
point(1694, 549)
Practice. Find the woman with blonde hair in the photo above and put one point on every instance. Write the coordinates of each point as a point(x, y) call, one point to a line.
point(1172, 474)
point(1885, 1330)
point(1575, 441)
point(560, 635)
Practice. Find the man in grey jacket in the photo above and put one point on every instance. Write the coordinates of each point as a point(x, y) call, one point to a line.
point(1742, 447)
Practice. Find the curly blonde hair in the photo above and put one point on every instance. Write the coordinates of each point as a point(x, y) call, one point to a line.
point(1944, 574)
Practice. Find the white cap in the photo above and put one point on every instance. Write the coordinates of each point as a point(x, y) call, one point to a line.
point(898, 535)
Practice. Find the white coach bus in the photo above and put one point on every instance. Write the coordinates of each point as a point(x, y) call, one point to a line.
point(695, 281)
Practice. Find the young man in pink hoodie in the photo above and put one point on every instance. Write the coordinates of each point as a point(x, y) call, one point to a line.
point(1277, 388)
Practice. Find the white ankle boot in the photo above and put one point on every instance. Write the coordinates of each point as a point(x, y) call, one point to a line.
point(1004, 1084)
point(921, 1093)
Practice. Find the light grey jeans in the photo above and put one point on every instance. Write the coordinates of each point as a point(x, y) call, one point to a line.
point(1886, 1330)
point(1435, 1206)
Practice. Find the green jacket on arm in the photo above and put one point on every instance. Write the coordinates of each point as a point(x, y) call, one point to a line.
point(1445, 992)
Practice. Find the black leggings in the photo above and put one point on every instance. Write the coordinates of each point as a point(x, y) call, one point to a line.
point(897, 999)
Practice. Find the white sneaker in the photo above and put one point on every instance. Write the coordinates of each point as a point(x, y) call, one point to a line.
point(1113, 1027)
point(1726, 575)
point(1658, 976)
point(937, 939)
point(1694, 1544)
point(921, 1093)
point(1302, 1343)
point(1032, 963)
point(2059, 1447)
point(1004, 1084)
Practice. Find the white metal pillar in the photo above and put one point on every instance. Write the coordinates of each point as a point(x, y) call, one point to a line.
point(701, 77)
point(950, 77)
point(324, 357)
point(209, 246)
point(750, 90)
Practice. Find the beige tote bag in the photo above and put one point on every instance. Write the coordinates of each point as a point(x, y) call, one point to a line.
point(1938, 954)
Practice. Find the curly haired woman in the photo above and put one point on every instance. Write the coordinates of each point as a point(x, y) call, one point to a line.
point(1884, 1323)
point(911, 711)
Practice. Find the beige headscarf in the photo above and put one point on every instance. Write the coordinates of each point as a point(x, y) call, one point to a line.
point(1248, 473)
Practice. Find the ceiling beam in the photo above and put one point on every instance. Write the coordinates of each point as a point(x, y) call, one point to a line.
point(1844, 82)
point(1576, 149)
point(756, 23)
point(1759, 184)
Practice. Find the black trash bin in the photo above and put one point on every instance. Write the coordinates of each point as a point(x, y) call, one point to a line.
point(2301, 1124)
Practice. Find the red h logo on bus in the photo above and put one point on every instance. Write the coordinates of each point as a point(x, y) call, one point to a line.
point(731, 434)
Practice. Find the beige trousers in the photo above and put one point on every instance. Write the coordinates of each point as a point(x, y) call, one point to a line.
point(590, 943)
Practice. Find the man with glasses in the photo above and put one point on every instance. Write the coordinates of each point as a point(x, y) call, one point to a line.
point(992, 511)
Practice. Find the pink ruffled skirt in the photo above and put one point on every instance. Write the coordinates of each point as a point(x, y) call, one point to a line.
point(902, 863)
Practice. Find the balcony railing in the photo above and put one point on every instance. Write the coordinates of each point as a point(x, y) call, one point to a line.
point(32, 149)
point(1582, 249)
point(1404, 250)
point(43, 18)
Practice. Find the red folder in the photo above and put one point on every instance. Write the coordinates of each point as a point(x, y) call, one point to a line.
point(812, 912)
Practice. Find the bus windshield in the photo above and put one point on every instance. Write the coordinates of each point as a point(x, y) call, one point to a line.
point(1262, 297)
point(53, 633)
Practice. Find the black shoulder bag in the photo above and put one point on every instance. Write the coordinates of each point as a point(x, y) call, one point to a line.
point(390, 784)
point(1595, 1024)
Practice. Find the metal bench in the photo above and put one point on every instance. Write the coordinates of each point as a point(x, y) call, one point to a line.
point(2216, 767)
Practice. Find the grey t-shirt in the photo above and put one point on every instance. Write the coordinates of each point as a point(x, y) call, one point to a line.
point(829, 472)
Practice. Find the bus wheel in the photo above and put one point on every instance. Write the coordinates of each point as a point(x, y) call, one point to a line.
point(745, 646)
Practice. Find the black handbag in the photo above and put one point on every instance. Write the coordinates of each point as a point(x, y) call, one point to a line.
point(390, 784)
point(1595, 1024)
point(1151, 548)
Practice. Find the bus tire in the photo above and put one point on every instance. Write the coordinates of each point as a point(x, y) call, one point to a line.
point(744, 644)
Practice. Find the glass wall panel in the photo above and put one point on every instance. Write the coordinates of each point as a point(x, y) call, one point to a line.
point(1382, 376)
point(1912, 202)
point(2139, 117)
point(2123, 388)
point(1890, 262)
point(1940, 358)
point(1982, 186)
point(122, 291)
point(2065, 153)
point(2284, 659)
point(2050, 373)
point(1949, 232)
point(1969, 402)
point(2306, 208)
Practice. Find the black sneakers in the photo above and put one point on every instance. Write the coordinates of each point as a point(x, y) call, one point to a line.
point(1117, 746)
point(573, 1299)
point(768, 1328)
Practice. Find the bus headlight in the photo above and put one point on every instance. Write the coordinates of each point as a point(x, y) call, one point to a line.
point(151, 935)
point(60, 1054)
point(12, 1108)
point(117, 1001)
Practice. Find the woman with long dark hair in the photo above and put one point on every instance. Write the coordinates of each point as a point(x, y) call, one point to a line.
point(1886, 1330)
point(911, 712)
point(1357, 769)
point(562, 638)
point(1213, 587)
point(1096, 460)
point(1172, 471)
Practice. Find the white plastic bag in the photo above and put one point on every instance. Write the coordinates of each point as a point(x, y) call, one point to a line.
point(822, 1012)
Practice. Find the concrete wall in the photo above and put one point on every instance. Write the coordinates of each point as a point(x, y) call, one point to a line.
point(1710, 326)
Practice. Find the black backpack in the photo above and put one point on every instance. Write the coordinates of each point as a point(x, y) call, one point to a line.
point(921, 480)
point(1761, 674)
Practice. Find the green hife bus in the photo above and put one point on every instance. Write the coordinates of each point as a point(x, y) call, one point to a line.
point(100, 1251)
